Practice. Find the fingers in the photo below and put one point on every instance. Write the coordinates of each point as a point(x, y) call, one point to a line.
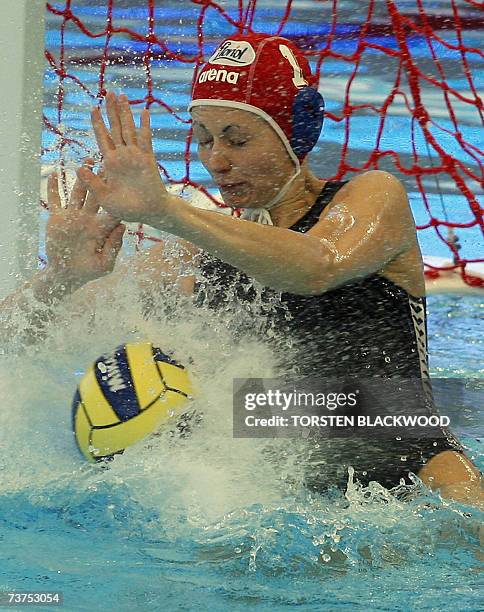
point(123, 129)
point(93, 183)
point(107, 222)
point(127, 122)
point(79, 191)
point(101, 132)
point(145, 139)
point(112, 109)
point(113, 244)
point(91, 205)
point(53, 198)
point(78, 195)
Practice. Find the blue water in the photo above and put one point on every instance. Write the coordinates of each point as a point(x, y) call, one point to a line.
point(206, 522)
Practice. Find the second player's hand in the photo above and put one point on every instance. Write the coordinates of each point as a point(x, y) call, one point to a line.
point(133, 189)
point(81, 243)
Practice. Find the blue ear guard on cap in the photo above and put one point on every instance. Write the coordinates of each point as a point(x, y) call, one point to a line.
point(308, 116)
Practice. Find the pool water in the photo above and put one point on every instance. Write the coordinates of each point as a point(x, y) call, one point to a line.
point(205, 522)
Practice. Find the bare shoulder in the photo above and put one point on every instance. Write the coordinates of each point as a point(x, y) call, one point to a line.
point(376, 199)
point(405, 270)
point(377, 187)
point(370, 216)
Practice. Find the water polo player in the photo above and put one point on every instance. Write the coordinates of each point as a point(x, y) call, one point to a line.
point(342, 256)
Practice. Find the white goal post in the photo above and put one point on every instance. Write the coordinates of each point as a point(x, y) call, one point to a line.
point(21, 95)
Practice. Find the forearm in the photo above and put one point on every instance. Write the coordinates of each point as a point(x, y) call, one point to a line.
point(25, 313)
point(457, 478)
point(276, 257)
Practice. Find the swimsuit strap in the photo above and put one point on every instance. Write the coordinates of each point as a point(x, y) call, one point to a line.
point(324, 198)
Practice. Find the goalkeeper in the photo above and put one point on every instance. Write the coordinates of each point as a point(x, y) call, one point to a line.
point(343, 257)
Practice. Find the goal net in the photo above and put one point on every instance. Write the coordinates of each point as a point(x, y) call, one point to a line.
point(400, 81)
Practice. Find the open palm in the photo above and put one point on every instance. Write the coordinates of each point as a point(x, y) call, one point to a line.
point(133, 189)
point(81, 243)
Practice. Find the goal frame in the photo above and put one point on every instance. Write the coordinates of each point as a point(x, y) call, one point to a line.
point(22, 31)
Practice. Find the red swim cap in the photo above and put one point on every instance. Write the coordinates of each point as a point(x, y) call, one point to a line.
point(269, 76)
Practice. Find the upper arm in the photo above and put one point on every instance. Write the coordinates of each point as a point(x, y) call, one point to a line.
point(369, 224)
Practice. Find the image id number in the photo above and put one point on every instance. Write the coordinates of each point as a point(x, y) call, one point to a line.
point(34, 598)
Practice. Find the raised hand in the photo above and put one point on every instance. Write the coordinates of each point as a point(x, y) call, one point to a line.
point(81, 243)
point(133, 189)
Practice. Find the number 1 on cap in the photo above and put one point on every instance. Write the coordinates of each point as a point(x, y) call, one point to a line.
point(297, 79)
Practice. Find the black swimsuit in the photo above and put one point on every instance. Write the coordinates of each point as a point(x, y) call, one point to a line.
point(364, 329)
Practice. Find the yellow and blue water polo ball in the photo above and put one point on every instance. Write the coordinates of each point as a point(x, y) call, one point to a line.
point(125, 396)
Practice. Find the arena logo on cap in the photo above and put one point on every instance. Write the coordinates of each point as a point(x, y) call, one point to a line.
point(218, 75)
point(233, 53)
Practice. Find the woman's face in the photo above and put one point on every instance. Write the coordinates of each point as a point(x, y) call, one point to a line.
point(245, 156)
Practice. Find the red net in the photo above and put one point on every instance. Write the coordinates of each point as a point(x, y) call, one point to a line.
point(423, 110)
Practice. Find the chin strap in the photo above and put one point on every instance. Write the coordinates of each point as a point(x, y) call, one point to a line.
point(262, 215)
point(259, 215)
